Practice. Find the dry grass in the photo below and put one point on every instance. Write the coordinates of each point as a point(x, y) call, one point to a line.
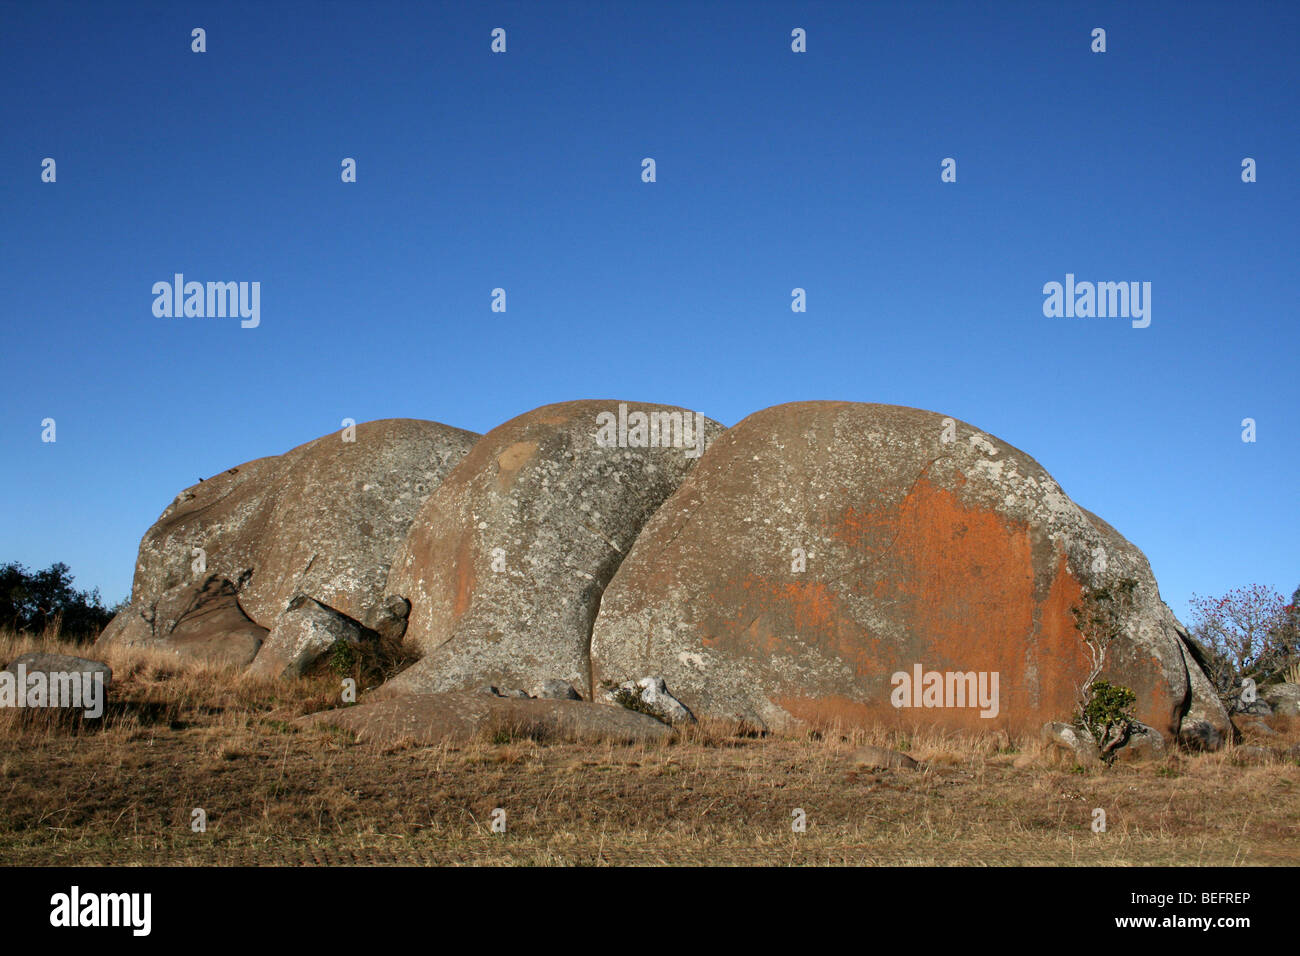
point(178, 737)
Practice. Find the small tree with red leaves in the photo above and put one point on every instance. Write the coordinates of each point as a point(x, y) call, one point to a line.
point(1247, 634)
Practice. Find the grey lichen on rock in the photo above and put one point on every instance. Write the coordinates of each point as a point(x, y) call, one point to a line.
point(507, 561)
point(322, 519)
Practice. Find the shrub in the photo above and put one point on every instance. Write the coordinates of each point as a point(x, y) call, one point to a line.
point(1107, 716)
point(343, 658)
point(369, 663)
point(630, 698)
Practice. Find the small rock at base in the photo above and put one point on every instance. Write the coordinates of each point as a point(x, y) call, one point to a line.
point(878, 758)
point(555, 689)
point(1070, 741)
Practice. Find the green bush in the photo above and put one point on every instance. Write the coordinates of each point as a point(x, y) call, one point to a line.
point(631, 699)
point(1107, 716)
point(343, 658)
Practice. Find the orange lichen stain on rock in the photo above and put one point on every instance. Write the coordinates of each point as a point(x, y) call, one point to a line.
point(975, 607)
point(1157, 707)
point(962, 582)
point(768, 612)
point(1158, 704)
point(962, 575)
point(865, 530)
point(465, 577)
point(1064, 663)
point(832, 711)
point(1060, 659)
point(810, 603)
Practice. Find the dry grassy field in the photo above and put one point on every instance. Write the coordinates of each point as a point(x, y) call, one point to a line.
point(179, 737)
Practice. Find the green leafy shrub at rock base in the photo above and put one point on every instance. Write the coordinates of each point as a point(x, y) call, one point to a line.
point(1107, 716)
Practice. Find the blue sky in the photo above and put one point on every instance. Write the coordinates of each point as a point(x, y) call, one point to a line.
point(775, 170)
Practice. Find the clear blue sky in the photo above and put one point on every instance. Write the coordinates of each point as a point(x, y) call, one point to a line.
point(775, 170)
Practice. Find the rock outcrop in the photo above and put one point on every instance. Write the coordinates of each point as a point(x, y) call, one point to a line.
point(822, 561)
point(1144, 743)
point(341, 510)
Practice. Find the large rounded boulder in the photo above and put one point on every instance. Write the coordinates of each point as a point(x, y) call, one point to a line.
point(507, 561)
point(871, 563)
point(322, 520)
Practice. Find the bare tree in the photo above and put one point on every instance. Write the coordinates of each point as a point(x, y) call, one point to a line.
point(1247, 635)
